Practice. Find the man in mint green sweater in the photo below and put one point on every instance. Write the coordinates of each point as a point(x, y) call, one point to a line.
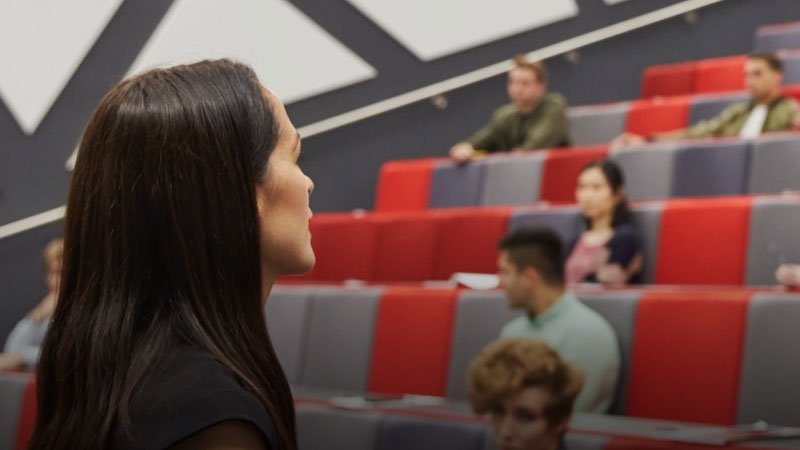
point(531, 269)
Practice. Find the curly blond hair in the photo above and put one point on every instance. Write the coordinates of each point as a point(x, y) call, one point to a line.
point(507, 367)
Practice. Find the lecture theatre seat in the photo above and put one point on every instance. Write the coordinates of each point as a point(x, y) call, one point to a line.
point(412, 341)
point(12, 393)
point(658, 115)
point(407, 246)
point(468, 241)
point(772, 38)
point(596, 124)
point(565, 220)
point(720, 75)
point(710, 169)
point(512, 179)
point(791, 68)
point(324, 428)
point(404, 185)
point(561, 170)
point(709, 106)
point(668, 80)
point(775, 164)
point(687, 356)
point(404, 433)
point(288, 312)
point(703, 241)
point(345, 248)
point(457, 185)
point(772, 238)
point(648, 170)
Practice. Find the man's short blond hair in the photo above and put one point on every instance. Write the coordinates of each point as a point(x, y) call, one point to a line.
point(509, 366)
point(538, 67)
point(53, 252)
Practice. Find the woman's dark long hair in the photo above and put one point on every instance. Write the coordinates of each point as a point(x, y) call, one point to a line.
point(616, 180)
point(161, 247)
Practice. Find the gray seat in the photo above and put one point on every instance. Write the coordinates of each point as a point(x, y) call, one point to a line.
point(406, 433)
point(565, 221)
point(287, 313)
point(512, 180)
point(456, 185)
point(647, 221)
point(340, 336)
point(769, 386)
point(707, 107)
point(648, 170)
point(772, 239)
point(791, 69)
point(479, 317)
point(12, 389)
point(619, 310)
point(711, 169)
point(775, 163)
point(575, 441)
point(323, 428)
point(772, 39)
point(593, 125)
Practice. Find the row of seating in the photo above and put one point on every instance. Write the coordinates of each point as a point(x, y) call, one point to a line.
point(721, 241)
point(701, 168)
point(709, 75)
point(771, 38)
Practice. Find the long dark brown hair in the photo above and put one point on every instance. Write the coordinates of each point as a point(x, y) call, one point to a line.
point(161, 247)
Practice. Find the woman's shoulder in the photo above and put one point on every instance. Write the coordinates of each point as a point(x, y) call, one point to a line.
point(188, 392)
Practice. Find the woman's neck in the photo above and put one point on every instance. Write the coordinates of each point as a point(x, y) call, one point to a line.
point(601, 224)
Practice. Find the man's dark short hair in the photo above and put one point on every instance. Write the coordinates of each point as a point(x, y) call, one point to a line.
point(772, 61)
point(538, 247)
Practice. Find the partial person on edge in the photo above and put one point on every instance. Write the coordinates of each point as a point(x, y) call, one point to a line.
point(22, 346)
point(528, 392)
point(609, 250)
point(534, 119)
point(766, 111)
point(531, 271)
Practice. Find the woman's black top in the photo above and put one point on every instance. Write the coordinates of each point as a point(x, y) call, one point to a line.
point(190, 392)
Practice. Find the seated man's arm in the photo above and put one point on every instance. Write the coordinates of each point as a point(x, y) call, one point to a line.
point(551, 130)
point(483, 139)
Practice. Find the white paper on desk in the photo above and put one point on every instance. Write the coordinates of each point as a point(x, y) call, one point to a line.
point(478, 281)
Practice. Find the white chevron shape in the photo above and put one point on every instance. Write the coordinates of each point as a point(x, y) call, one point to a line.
point(291, 54)
point(42, 43)
point(432, 29)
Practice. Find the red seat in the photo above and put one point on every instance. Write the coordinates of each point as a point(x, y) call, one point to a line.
point(404, 185)
point(561, 170)
point(411, 349)
point(345, 247)
point(703, 241)
point(468, 240)
point(668, 80)
point(407, 247)
point(658, 115)
point(27, 416)
point(686, 356)
point(792, 91)
point(720, 75)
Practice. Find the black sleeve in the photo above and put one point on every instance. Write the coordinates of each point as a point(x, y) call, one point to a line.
point(624, 245)
point(198, 395)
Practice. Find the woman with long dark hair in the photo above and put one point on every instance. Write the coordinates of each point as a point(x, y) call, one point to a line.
point(186, 204)
point(608, 251)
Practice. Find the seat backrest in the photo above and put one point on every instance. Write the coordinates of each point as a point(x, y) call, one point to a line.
point(403, 433)
point(772, 238)
point(711, 169)
point(668, 80)
point(412, 341)
point(648, 170)
point(480, 315)
point(457, 184)
point(647, 221)
point(323, 428)
point(703, 241)
point(775, 164)
point(791, 66)
point(288, 312)
point(619, 310)
point(407, 247)
point(658, 115)
point(339, 341)
point(346, 247)
point(720, 75)
point(578, 441)
point(561, 170)
point(687, 354)
point(512, 180)
point(706, 107)
point(468, 241)
point(404, 185)
point(566, 221)
point(596, 125)
point(772, 38)
point(770, 367)
point(12, 389)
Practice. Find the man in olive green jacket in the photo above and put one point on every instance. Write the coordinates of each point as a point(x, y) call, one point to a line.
point(534, 118)
point(766, 111)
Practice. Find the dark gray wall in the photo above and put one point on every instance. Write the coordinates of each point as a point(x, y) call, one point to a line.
point(344, 163)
